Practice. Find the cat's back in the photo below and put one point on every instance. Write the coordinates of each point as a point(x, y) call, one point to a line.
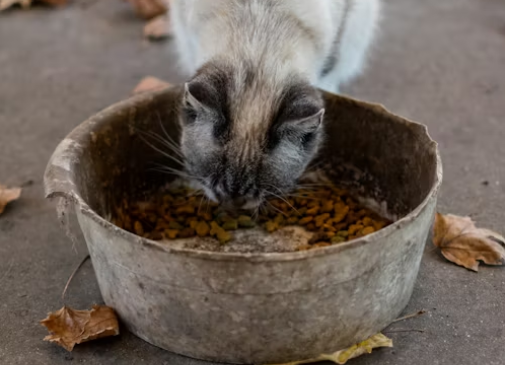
point(203, 27)
point(313, 14)
point(317, 36)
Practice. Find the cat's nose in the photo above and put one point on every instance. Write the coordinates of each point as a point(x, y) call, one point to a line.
point(239, 202)
point(234, 203)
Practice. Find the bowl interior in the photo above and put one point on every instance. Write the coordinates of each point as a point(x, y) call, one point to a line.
point(379, 155)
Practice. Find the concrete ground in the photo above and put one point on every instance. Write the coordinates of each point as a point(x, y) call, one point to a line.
point(437, 62)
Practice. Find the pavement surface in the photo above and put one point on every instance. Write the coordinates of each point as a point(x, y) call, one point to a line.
point(437, 62)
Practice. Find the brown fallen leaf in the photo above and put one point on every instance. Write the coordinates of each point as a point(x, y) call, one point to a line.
point(150, 83)
point(7, 196)
point(54, 2)
point(5, 4)
point(149, 9)
point(157, 28)
point(69, 327)
point(461, 242)
point(341, 357)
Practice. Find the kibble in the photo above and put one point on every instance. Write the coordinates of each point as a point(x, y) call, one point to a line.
point(305, 220)
point(331, 213)
point(202, 229)
point(337, 239)
point(367, 230)
point(230, 225)
point(245, 221)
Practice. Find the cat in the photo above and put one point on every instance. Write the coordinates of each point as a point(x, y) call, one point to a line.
point(252, 112)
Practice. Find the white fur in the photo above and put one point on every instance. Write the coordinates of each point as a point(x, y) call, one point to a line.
point(202, 33)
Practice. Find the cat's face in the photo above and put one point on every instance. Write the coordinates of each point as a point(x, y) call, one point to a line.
point(245, 139)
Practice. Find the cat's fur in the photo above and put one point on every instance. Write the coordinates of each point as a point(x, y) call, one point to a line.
point(252, 119)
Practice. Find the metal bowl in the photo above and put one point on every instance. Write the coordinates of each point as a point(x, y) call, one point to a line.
point(252, 307)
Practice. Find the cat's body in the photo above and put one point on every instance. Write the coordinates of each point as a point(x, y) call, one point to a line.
point(253, 115)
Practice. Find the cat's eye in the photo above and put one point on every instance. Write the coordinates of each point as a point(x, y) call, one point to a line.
point(273, 139)
point(189, 113)
point(307, 138)
point(221, 129)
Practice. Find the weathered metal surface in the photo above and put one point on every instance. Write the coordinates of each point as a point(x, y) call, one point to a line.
point(260, 307)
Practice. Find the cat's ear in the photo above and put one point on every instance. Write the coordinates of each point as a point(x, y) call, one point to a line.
point(304, 121)
point(192, 106)
point(301, 109)
point(193, 95)
point(308, 124)
point(302, 127)
point(198, 99)
point(305, 130)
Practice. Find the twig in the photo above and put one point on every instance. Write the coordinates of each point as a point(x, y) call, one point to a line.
point(400, 331)
point(72, 276)
point(419, 313)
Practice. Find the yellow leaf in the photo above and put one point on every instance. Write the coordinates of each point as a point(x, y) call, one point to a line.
point(341, 357)
point(461, 242)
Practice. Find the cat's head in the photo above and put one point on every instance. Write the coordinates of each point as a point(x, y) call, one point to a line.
point(246, 135)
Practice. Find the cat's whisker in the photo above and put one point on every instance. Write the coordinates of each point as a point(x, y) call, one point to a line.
point(168, 139)
point(271, 205)
point(167, 143)
point(172, 171)
point(170, 144)
point(194, 193)
point(310, 188)
point(173, 111)
point(282, 198)
point(175, 149)
point(314, 184)
point(302, 197)
point(200, 205)
point(277, 209)
point(314, 167)
point(169, 156)
point(256, 212)
point(163, 166)
point(207, 200)
point(165, 131)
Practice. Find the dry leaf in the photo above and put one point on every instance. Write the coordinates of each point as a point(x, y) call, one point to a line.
point(464, 244)
point(157, 28)
point(69, 327)
point(150, 83)
point(4, 4)
point(149, 9)
point(7, 196)
point(341, 357)
point(54, 2)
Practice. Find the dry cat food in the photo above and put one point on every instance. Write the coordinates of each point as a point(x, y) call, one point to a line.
point(331, 213)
